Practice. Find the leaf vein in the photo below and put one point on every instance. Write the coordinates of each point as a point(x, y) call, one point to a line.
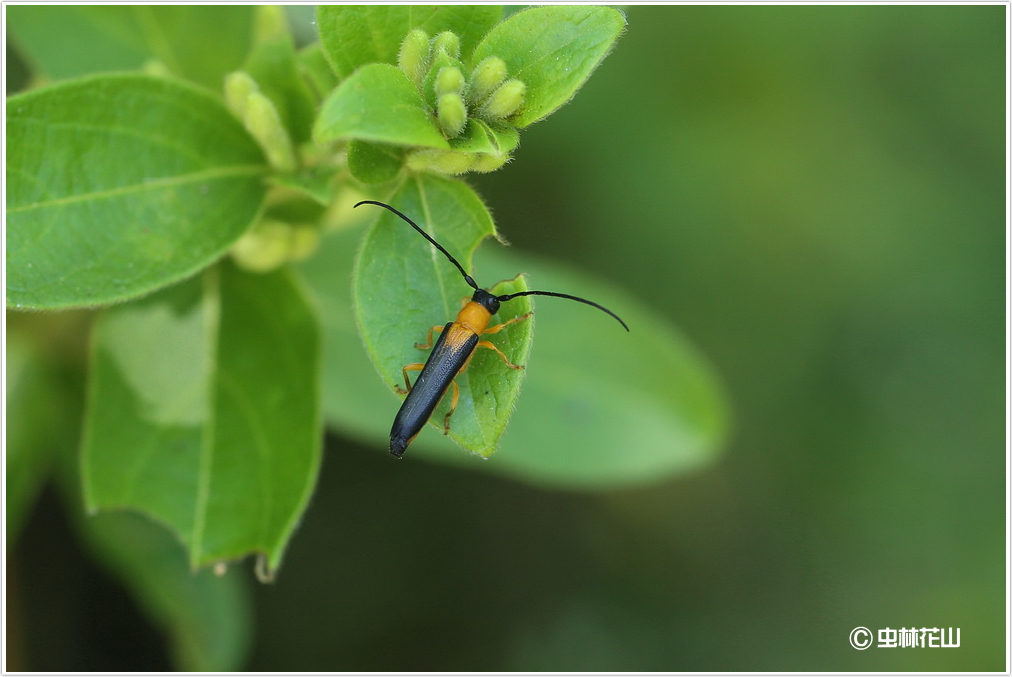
point(154, 184)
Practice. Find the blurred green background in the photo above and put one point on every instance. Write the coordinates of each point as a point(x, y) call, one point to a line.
point(816, 196)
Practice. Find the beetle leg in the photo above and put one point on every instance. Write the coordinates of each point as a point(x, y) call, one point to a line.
point(415, 366)
point(500, 327)
point(453, 406)
point(428, 338)
point(489, 344)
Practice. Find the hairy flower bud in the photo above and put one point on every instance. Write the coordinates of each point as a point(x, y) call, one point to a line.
point(264, 124)
point(448, 43)
point(264, 247)
point(304, 242)
point(238, 86)
point(413, 58)
point(451, 113)
point(450, 80)
point(505, 101)
point(443, 161)
point(487, 75)
point(489, 162)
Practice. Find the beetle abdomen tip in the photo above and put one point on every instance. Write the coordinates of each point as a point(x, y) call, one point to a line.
point(397, 446)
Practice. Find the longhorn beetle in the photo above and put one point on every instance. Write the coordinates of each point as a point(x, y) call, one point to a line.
point(454, 349)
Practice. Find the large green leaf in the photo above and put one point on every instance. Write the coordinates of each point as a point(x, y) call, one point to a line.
point(378, 103)
point(197, 42)
point(404, 286)
point(355, 35)
point(600, 407)
point(553, 50)
point(203, 412)
point(120, 184)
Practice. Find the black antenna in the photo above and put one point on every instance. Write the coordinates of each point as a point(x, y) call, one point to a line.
point(470, 280)
point(507, 297)
point(467, 278)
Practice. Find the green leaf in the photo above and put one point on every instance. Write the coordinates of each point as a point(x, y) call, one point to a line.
point(355, 401)
point(203, 412)
point(479, 137)
point(355, 35)
point(274, 66)
point(553, 50)
point(374, 162)
point(35, 429)
point(314, 68)
point(197, 42)
point(378, 103)
point(600, 408)
point(207, 617)
point(120, 184)
point(314, 182)
point(479, 148)
point(403, 286)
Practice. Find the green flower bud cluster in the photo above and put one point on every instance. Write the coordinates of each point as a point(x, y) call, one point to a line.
point(452, 90)
point(471, 106)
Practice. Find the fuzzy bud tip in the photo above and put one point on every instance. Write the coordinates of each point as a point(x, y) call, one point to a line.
point(448, 43)
point(413, 57)
point(450, 80)
point(486, 77)
point(505, 101)
point(452, 113)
